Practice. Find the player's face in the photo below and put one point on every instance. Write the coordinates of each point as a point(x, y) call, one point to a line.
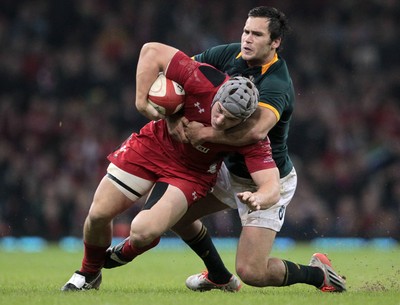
point(257, 47)
point(222, 119)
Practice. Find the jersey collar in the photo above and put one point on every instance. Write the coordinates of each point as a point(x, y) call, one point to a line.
point(264, 68)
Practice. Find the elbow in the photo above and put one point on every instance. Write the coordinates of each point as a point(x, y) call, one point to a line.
point(276, 197)
point(149, 49)
point(149, 46)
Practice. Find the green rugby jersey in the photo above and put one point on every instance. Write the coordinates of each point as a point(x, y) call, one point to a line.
point(276, 93)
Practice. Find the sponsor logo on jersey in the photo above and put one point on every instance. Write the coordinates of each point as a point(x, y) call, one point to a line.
point(203, 149)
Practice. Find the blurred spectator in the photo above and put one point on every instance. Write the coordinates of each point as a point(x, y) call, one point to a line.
point(67, 84)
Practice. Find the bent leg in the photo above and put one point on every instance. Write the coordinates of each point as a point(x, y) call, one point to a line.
point(108, 202)
point(253, 264)
point(256, 268)
point(164, 207)
point(151, 224)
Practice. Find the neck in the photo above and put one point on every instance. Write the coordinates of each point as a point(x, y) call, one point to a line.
point(268, 61)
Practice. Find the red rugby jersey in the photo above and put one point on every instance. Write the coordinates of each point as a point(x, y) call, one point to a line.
point(175, 159)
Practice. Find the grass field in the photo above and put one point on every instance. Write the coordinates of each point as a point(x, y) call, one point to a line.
point(157, 277)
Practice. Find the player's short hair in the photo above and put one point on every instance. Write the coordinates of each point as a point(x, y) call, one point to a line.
point(278, 25)
point(239, 96)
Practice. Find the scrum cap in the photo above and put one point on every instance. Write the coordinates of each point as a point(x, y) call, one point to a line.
point(239, 96)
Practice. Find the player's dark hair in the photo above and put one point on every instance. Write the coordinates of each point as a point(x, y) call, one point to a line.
point(278, 23)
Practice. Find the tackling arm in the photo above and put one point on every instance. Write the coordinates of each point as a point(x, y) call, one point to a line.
point(252, 130)
point(268, 192)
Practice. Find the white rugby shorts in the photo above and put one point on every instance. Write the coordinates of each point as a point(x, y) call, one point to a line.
point(228, 185)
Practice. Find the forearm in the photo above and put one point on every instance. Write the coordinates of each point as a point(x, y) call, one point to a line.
point(268, 192)
point(268, 196)
point(251, 131)
point(234, 138)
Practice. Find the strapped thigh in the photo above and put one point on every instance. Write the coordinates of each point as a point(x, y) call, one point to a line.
point(130, 185)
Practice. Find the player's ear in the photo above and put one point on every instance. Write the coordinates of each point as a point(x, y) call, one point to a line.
point(276, 43)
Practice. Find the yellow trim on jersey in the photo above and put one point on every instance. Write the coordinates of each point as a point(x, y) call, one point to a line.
point(265, 67)
point(272, 108)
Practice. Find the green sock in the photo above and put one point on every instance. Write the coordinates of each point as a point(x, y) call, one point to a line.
point(204, 247)
point(296, 273)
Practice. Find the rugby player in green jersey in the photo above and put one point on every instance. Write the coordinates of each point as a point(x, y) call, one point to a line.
point(256, 57)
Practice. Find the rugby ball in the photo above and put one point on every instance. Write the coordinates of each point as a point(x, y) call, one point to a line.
point(166, 96)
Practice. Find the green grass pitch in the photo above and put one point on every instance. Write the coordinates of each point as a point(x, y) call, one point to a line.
point(157, 277)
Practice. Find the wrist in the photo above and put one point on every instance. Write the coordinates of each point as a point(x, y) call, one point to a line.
point(207, 134)
point(214, 136)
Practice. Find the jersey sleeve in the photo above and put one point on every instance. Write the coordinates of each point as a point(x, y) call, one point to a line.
point(195, 77)
point(276, 101)
point(258, 156)
point(181, 67)
point(276, 90)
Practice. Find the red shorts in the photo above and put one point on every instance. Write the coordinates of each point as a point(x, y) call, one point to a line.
point(151, 164)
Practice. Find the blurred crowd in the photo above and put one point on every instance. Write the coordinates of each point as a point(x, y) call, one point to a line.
point(67, 85)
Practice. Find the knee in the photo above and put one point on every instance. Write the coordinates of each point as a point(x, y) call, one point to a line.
point(270, 273)
point(142, 238)
point(250, 275)
point(98, 218)
point(142, 234)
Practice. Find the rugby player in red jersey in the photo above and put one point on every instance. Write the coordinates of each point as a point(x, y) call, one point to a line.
point(177, 174)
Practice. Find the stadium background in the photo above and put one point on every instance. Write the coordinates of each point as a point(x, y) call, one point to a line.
point(67, 72)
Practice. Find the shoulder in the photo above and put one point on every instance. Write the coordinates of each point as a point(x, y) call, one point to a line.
point(276, 89)
point(277, 78)
point(181, 67)
point(180, 59)
point(217, 52)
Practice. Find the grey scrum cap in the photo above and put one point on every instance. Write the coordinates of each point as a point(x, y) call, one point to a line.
point(239, 96)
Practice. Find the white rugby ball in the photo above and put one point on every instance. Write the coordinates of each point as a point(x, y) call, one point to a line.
point(166, 96)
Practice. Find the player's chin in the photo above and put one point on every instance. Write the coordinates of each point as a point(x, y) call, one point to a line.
point(247, 55)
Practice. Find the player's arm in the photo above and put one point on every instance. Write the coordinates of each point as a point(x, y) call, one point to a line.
point(255, 128)
point(265, 174)
point(268, 192)
point(154, 58)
